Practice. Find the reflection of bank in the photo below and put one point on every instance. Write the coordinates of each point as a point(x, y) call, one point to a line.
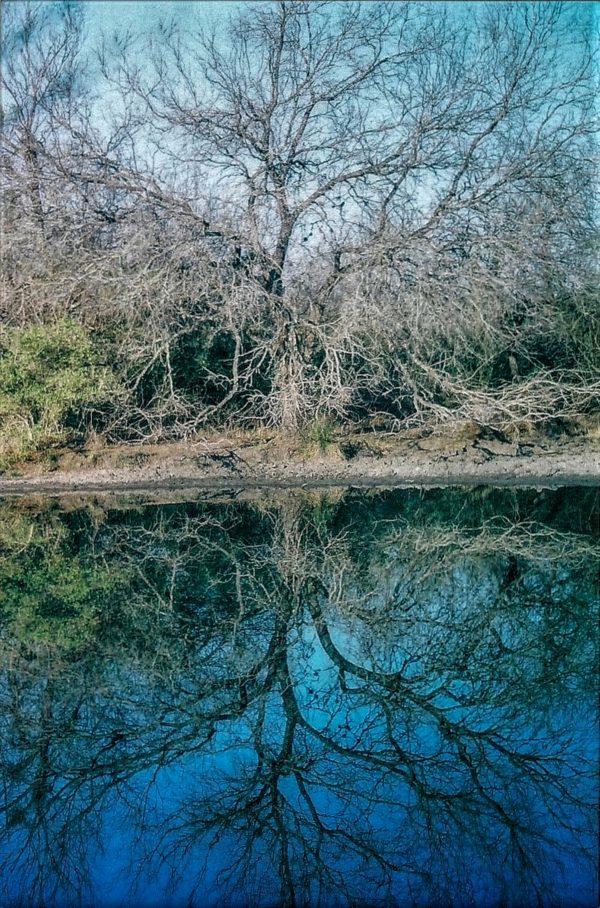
point(303, 705)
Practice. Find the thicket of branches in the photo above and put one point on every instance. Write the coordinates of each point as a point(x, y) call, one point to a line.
point(346, 211)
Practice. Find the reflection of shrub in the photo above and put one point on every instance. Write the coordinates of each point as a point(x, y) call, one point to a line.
point(54, 601)
point(49, 375)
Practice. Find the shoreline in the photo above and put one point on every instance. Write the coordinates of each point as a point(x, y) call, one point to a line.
point(374, 460)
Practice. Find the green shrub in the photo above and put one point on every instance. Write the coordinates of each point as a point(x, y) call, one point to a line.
point(319, 434)
point(49, 376)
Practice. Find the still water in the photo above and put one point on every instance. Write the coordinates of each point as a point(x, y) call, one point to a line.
point(356, 698)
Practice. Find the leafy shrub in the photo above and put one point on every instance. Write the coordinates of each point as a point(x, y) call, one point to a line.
point(49, 376)
point(319, 434)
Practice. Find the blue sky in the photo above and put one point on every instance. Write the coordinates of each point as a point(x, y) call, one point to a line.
point(111, 15)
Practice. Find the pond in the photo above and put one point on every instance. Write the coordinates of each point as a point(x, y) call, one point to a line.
point(313, 699)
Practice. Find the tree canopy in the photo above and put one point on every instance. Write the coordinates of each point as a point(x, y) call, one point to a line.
point(350, 210)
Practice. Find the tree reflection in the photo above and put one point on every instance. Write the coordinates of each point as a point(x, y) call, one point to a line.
point(292, 705)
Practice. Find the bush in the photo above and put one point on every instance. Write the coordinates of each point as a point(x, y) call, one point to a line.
point(49, 376)
point(319, 434)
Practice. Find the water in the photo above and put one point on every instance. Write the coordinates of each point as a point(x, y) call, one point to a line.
point(382, 698)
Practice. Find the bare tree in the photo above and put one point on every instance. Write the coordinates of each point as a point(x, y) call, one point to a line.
point(380, 141)
point(330, 209)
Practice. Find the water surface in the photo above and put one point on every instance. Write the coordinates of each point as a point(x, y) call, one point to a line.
point(362, 698)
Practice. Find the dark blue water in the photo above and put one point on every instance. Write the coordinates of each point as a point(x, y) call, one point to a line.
point(382, 698)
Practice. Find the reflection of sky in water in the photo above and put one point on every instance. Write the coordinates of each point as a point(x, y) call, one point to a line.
point(427, 811)
point(165, 792)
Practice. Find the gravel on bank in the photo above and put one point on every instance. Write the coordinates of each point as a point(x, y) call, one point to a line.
point(372, 460)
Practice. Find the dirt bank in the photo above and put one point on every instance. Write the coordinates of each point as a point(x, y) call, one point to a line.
point(250, 461)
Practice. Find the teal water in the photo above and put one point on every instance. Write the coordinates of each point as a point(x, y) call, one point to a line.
point(361, 698)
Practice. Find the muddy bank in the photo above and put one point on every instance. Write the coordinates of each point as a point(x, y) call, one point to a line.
point(220, 462)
